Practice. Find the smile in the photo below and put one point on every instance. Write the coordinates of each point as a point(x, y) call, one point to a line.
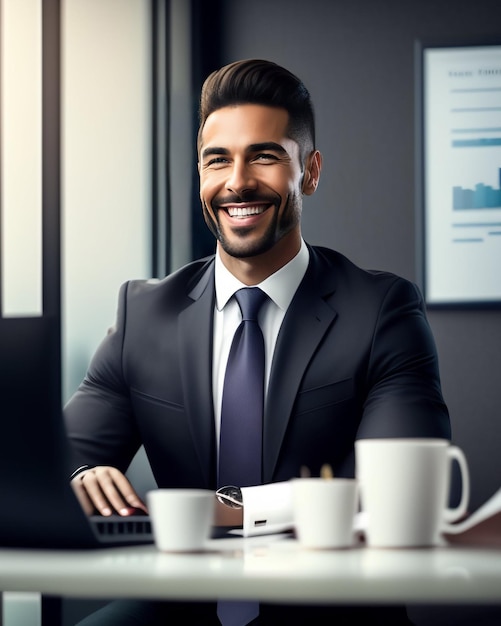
point(246, 211)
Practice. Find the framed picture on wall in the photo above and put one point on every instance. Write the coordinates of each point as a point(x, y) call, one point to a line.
point(458, 173)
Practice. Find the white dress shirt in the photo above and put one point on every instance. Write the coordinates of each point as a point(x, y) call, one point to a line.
point(280, 288)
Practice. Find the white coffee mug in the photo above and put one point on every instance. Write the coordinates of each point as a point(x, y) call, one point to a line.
point(181, 519)
point(324, 510)
point(404, 490)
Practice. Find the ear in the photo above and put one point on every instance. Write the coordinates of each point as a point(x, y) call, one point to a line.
point(312, 171)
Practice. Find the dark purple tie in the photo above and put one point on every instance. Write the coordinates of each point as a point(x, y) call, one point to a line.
point(241, 439)
point(243, 398)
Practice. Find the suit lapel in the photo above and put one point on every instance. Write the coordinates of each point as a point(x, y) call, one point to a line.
point(195, 355)
point(306, 322)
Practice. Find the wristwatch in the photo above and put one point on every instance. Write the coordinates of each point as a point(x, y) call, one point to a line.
point(230, 496)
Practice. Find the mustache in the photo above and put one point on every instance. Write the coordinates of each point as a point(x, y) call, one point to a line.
point(250, 196)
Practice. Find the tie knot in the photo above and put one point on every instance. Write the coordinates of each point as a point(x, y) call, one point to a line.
point(250, 300)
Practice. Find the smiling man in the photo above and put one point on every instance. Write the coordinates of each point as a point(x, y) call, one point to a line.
point(338, 352)
point(252, 177)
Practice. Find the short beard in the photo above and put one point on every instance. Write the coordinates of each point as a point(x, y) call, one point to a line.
point(278, 228)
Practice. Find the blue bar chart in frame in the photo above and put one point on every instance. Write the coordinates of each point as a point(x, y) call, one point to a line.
point(461, 174)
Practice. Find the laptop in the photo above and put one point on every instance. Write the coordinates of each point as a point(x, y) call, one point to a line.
point(38, 508)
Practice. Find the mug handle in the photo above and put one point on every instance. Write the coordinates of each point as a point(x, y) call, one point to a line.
point(453, 514)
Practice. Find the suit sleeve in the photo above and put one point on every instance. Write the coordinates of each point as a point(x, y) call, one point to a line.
point(404, 397)
point(99, 419)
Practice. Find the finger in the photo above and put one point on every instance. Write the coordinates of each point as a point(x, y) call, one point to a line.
point(82, 497)
point(128, 493)
point(91, 484)
point(110, 491)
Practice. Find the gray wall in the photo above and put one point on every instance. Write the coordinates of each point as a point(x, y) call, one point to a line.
point(357, 58)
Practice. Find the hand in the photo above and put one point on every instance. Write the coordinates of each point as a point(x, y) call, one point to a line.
point(106, 490)
point(225, 516)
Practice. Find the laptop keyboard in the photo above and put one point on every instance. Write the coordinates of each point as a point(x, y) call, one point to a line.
point(118, 529)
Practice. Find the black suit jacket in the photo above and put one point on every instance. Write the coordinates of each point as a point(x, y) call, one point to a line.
point(355, 358)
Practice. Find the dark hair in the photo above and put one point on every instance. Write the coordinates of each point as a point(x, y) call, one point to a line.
point(255, 81)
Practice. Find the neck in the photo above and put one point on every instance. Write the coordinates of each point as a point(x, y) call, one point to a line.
point(253, 270)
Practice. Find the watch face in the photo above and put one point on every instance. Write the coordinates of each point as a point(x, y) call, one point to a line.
point(230, 496)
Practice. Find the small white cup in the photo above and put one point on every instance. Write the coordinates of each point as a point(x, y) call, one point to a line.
point(181, 519)
point(324, 510)
point(404, 489)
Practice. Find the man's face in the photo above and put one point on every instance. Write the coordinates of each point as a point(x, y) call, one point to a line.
point(250, 179)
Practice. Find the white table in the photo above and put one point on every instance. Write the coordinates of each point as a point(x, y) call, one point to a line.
point(266, 568)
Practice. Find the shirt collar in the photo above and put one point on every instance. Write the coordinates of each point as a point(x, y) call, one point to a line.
point(279, 287)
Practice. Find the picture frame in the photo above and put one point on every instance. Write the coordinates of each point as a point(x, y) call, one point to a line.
point(458, 172)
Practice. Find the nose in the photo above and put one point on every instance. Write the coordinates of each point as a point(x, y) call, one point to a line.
point(240, 178)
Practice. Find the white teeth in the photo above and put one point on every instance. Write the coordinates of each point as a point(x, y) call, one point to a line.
point(245, 211)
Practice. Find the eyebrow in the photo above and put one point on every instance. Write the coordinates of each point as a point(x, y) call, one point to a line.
point(211, 151)
point(270, 146)
point(255, 147)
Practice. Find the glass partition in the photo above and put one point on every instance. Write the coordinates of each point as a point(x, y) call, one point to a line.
point(21, 157)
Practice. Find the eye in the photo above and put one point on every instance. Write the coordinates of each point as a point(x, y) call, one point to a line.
point(216, 162)
point(265, 157)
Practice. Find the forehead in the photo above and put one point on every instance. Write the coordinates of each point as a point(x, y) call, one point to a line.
point(245, 124)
